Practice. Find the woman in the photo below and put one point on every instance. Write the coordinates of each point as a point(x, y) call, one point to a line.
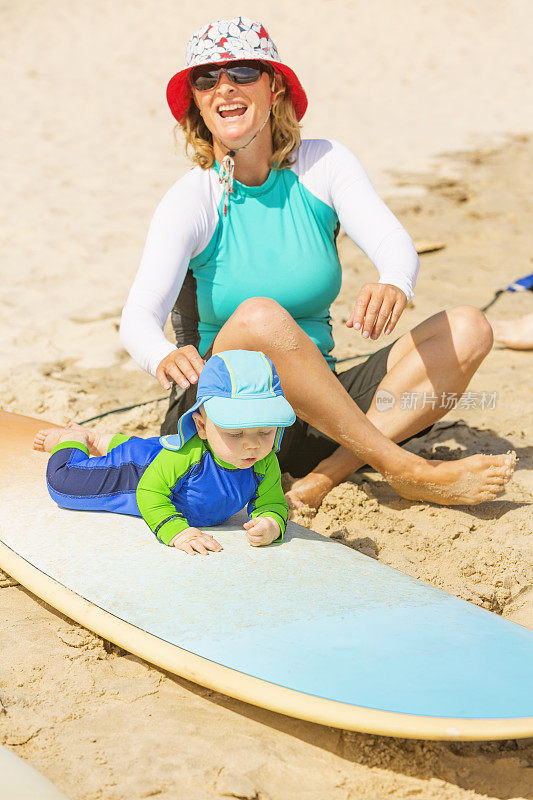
point(246, 243)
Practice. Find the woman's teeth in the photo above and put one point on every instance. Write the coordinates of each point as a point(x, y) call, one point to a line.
point(232, 110)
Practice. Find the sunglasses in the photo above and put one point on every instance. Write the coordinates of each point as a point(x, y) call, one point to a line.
point(206, 77)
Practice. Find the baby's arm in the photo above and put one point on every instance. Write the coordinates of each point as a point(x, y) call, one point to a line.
point(268, 509)
point(164, 520)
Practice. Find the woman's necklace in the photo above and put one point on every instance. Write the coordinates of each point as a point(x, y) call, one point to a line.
point(227, 165)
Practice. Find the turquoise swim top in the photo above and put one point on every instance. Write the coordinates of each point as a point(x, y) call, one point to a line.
point(278, 240)
point(256, 251)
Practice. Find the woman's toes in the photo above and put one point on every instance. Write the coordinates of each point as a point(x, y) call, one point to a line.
point(511, 460)
point(505, 471)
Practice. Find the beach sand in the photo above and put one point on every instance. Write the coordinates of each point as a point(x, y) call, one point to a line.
point(443, 128)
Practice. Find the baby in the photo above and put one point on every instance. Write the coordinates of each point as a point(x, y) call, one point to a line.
point(222, 458)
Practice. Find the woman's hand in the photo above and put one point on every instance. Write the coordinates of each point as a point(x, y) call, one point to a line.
point(182, 365)
point(193, 541)
point(378, 306)
point(261, 530)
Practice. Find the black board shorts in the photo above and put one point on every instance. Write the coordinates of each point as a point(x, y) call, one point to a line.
point(302, 446)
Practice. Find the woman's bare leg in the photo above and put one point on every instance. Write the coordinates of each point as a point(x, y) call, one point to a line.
point(516, 334)
point(438, 358)
point(319, 398)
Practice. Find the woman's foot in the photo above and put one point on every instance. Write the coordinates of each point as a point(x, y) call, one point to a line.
point(516, 334)
point(47, 438)
point(468, 481)
point(309, 490)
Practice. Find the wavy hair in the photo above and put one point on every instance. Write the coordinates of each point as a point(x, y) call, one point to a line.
point(284, 126)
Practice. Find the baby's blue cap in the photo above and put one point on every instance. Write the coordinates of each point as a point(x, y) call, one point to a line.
point(238, 389)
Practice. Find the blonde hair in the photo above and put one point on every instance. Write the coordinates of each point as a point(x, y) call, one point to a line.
point(283, 123)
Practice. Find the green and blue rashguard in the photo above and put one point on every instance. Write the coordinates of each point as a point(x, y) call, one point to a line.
point(172, 490)
point(278, 240)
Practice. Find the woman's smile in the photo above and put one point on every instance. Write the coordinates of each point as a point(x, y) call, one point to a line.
point(231, 110)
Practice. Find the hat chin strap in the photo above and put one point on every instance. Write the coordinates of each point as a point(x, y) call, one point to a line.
point(227, 165)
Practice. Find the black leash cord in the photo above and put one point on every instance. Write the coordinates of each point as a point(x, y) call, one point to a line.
point(496, 296)
point(126, 408)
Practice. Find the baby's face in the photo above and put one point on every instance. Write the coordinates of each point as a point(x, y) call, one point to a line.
point(241, 448)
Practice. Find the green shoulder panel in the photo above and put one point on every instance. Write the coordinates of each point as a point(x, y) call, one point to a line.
point(156, 485)
point(118, 438)
point(269, 500)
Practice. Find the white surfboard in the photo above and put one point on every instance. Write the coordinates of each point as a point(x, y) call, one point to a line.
point(308, 627)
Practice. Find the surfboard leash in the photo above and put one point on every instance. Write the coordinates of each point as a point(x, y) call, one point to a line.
point(125, 408)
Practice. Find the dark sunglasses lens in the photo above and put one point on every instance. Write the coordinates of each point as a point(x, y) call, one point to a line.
point(244, 73)
point(203, 79)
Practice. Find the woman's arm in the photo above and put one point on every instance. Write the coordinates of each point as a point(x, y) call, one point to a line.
point(370, 223)
point(337, 177)
point(180, 228)
point(374, 228)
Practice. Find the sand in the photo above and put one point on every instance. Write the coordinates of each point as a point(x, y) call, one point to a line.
point(436, 100)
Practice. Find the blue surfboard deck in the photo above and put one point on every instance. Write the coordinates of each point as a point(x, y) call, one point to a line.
point(309, 616)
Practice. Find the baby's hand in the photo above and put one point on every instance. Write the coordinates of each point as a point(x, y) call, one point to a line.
point(193, 541)
point(261, 530)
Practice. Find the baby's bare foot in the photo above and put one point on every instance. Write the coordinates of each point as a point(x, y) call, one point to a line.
point(47, 438)
point(468, 481)
point(309, 491)
point(93, 438)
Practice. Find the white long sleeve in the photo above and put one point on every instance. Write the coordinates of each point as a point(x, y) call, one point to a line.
point(181, 227)
point(333, 174)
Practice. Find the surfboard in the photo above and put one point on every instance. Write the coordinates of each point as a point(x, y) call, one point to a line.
point(20, 781)
point(308, 627)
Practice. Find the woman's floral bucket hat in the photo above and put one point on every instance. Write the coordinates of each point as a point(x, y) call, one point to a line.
point(230, 40)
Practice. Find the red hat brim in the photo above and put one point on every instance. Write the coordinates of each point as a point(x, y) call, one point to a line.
point(179, 91)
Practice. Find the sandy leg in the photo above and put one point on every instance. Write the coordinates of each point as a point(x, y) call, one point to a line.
point(439, 355)
point(516, 334)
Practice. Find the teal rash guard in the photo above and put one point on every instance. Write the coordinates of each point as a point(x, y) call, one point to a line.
point(259, 252)
point(278, 240)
